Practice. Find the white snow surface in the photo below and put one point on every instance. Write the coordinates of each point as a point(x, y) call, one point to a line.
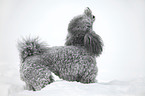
point(11, 85)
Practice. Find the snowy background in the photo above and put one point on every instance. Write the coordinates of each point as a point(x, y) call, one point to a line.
point(120, 23)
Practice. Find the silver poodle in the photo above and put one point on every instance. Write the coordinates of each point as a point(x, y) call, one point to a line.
point(76, 61)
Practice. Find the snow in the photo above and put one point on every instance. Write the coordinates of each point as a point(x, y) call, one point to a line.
point(11, 85)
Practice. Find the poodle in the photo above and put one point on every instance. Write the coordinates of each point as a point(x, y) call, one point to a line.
point(76, 61)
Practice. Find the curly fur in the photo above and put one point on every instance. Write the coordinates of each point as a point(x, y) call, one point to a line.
point(71, 63)
point(76, 61)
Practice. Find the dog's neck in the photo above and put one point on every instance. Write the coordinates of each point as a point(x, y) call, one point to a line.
point(75, 40)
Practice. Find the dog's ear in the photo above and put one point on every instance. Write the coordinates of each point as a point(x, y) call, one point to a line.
point(93, 43)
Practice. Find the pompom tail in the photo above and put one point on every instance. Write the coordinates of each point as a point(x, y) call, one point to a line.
point(28, 47)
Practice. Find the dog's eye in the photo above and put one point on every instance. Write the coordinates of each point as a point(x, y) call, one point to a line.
point(93, 17)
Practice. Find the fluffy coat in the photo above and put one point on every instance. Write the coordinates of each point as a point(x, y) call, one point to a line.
point(76, 61)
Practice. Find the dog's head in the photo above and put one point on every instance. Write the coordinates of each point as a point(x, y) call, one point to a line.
point(80, 33)
point(82, 23)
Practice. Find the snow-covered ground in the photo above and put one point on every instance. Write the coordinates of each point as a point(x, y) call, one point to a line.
point(11, 85)
point(113, 88)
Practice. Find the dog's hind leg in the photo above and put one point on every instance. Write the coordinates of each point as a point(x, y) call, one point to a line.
point(43, 79)
point(37, 79)
point(38, 85)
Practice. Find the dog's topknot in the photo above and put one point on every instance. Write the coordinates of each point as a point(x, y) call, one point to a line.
point(80, 33)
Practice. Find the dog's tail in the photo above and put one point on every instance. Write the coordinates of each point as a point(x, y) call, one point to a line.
point(93, 43)
point(29, 47)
